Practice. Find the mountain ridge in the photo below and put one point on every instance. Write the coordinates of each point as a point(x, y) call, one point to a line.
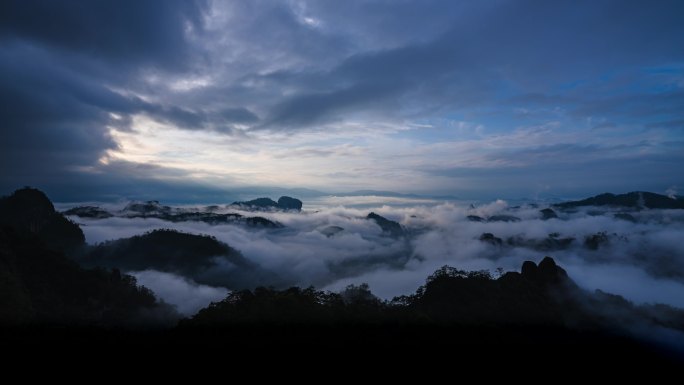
point(634, 199)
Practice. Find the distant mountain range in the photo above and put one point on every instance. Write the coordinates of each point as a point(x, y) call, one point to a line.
point(153, 209)
point(634, 199)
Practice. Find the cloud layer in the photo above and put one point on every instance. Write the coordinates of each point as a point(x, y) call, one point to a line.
point(642, 259)
point(188, 296)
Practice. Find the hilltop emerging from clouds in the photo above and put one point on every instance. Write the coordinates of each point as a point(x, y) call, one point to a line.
point(44, 287)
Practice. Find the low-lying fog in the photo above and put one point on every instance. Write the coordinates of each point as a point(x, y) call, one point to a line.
point(639, 257)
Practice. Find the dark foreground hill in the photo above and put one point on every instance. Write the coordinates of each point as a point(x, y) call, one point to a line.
point(29, 210)
point(540, 309)
point(203, 258)
point(40, 286)
point(540, 296)
point(537, 315)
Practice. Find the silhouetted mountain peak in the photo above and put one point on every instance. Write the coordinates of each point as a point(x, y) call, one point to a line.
point(529, 269)
point(41, 286)
point(29, 199)
point(594, 241)
point(475, 218)
point(30, 210)
point(549, 268)
point(491, 239)
point(547, 272)
point(548, 213)
point(289, 203)
point(284, 203)
point(390, 227)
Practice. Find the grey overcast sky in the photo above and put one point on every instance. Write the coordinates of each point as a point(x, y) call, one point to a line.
point(100, 99)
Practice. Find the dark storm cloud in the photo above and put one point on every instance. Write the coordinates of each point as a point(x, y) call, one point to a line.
point(119, 180)
point(238, 115)
point(181, 117)
point(125, 32)
point(516, 48)
point(50, 114)
point(237, 68)
point(373, 81)
point(308, 109)
point(59, 64)
point(221, 120)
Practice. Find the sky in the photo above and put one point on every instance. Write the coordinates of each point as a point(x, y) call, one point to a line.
point(106, 99)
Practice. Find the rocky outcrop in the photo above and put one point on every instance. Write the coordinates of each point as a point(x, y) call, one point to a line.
point(388, 227)
point(491, 239)
point(595, 241)
point(475, 218)
point(547, 273)
point(288, 203)
point(284, 203)
point(548, 213)
point(259, 203)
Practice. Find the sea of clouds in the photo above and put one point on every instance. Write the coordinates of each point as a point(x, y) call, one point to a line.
point(642, 260)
